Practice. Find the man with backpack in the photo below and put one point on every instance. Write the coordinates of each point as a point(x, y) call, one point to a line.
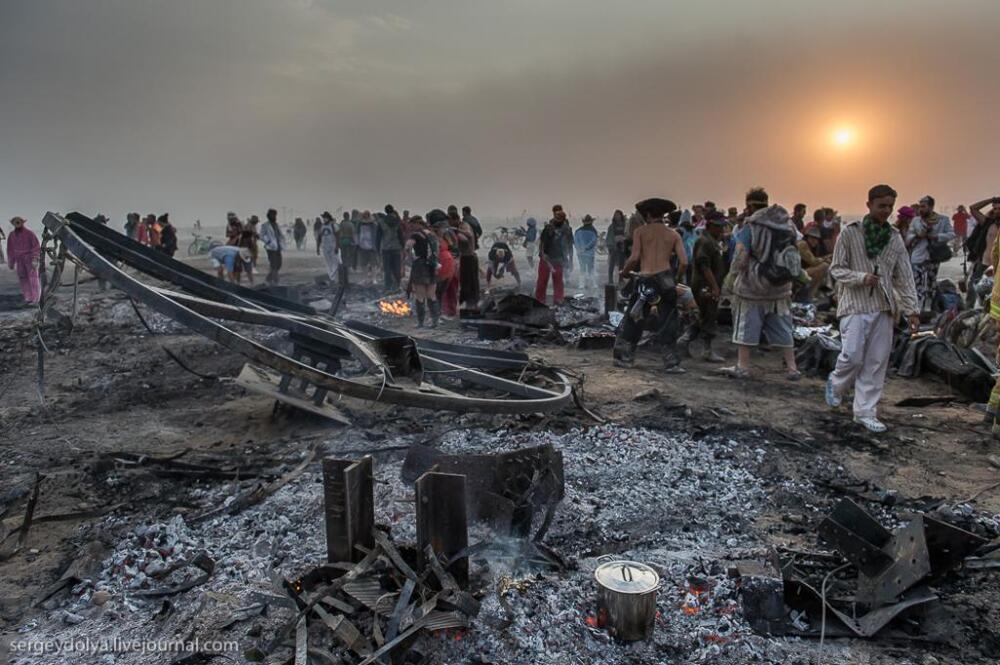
point(929, 240)
point(765, 264)
point(875, 285)
point(980, 242)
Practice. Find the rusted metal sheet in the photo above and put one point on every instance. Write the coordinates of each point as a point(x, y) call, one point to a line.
point(504, 489)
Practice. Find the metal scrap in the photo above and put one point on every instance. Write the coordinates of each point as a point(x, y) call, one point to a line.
point(891, 570)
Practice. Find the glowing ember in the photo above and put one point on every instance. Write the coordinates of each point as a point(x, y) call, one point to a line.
point(600, 621)
point(695, 597)
point(395, 307)
point(717, 639)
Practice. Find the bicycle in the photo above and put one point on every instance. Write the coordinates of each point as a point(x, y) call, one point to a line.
point(202, 245)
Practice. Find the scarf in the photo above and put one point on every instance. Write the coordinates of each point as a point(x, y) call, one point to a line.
point(877, 236)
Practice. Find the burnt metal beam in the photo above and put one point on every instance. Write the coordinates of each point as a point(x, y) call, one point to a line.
point(910, 564)
point(157, 264)
point(107, 241)
point(526, 398)
point(442, 522)
point(467, 356)
point(321, 332)
point(858, 537)
point(349, 507)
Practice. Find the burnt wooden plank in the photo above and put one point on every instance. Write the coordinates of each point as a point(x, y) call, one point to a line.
point(442, 522)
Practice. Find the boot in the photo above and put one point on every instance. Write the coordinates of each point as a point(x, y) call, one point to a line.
point(435, 307)
point(624, 354)
point(710, 356)
point(672, 362)
point(683, 344)
point(421, 313)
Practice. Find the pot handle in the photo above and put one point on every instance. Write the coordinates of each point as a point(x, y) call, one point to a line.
point(605, 557)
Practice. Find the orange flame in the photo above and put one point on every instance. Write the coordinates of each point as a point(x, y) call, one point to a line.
point(395, 307)
point(695, 597)
point(600, 621)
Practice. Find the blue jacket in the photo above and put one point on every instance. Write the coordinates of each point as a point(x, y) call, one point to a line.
point(585, 240)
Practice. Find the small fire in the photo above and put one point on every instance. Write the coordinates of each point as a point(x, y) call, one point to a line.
point(696, 597)
point(395, 307)
point(600, 621)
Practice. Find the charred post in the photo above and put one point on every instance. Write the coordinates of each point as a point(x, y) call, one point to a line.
point(442, 521)
point(349, 507)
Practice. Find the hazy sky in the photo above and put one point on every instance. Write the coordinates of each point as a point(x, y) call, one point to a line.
point(201, 106)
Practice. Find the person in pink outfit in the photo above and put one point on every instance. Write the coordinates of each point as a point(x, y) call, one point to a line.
point(23, 252)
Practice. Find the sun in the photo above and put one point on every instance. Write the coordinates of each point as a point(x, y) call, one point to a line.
point(843, 137)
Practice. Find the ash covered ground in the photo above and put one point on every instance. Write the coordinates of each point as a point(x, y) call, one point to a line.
point(689, 478)
point(681, 504)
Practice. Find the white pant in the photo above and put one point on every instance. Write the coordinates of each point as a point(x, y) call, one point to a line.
point(866, 343)
point(332, 259)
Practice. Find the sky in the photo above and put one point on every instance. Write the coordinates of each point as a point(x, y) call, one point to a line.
point(197, 107)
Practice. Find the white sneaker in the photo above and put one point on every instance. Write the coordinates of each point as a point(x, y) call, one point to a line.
point(833, 400)
point(871, 424)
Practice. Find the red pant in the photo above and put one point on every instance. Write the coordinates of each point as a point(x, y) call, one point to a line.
point(543, 282)
point(449, 303)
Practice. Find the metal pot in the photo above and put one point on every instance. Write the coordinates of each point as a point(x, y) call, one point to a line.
point(626, 598)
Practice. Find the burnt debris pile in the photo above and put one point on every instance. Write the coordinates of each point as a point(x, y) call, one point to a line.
point(875, 581)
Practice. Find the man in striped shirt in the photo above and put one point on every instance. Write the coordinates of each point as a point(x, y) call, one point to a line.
point(875, 285)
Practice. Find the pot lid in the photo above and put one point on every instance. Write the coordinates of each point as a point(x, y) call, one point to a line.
point(627, 576)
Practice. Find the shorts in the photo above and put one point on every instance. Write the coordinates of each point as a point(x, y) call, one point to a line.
point(773, 319)
point(228, 262)
point(367, 258)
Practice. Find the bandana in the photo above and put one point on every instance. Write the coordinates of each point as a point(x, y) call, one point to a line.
point(877, 236)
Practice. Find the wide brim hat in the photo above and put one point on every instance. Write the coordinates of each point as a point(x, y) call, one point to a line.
point(655, 207)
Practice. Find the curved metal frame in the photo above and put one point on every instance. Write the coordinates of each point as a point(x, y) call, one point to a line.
point(193, 312)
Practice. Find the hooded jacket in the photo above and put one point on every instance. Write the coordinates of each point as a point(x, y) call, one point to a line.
point(754, 245)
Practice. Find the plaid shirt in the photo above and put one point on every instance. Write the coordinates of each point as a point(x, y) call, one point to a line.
point(896, 291)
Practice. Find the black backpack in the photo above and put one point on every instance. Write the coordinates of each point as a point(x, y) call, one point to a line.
point(975, 244)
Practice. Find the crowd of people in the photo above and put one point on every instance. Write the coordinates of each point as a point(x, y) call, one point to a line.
point(876, 271)
point(154, 231)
